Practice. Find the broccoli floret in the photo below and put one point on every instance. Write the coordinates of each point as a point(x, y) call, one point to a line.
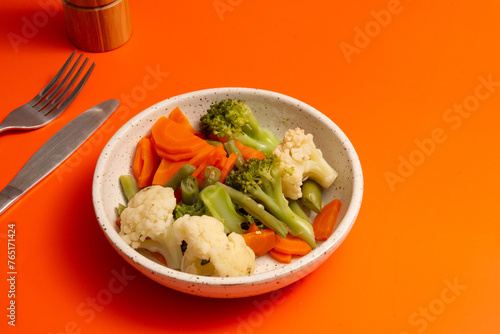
point(218, 204)
point(261, 180)
point(234, 119)
point(196, 209)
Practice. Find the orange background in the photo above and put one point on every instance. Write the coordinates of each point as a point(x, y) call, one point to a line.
point(424, 254)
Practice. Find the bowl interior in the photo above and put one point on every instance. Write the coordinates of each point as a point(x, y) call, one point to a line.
point(274, 111)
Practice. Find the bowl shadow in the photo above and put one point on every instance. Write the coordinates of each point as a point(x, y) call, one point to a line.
point(120, 291)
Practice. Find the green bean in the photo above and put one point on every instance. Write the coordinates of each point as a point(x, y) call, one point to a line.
point(211, 176)
point(230, 147)
point(121, 207)
point(129, 186)
point(189, 190)
point(311, 195)
point(295, 206)
point(182, 173)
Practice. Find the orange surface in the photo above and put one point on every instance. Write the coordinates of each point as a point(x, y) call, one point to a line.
point(414, 84)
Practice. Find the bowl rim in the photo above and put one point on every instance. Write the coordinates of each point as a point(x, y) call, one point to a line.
point(324, 248)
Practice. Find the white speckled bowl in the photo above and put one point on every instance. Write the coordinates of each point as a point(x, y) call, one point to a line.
point(274, 111)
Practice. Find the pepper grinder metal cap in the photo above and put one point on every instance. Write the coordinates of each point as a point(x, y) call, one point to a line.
point(98, 25)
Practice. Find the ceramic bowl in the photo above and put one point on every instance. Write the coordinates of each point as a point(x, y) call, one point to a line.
point(274, 111)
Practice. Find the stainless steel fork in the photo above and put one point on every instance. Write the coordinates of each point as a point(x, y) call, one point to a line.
point(52, 100)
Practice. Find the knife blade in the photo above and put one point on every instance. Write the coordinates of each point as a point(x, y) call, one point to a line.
point(57, 149)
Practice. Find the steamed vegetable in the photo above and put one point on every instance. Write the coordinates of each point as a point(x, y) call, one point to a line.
point(324, 222)
point(166, 170)
point(145, 162)
point(293, 246)
point(261, 180)
point(146, 223)
point(230, 147)
point(128, 186)
point(295, 206)
point(256, 210)
point(227, 166)
point(215, 157)
point(183, 172)
point(218, 204)
point(178, 116)
point(175, 142)
point(226, 193)
point(209, 251)
point(195, 209)
point(248, 152)
point(234, 119)
point(311, 195)
point(280, 257)
point(260, 242)
point(189, 190)
point(301, 159)
point(212, 176)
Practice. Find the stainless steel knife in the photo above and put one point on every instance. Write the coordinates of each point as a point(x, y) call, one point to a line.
point(57, 149)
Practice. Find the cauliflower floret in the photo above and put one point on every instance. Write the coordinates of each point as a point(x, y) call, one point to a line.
point(209, 251)
point(302, 160)
point(147, 220)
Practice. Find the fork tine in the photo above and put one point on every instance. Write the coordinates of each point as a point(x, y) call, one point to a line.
point(58, 99)
point(48, 99)
point(67, 101)
point(49, 86)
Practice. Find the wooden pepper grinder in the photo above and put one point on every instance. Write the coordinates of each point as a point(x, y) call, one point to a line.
point(98, 25)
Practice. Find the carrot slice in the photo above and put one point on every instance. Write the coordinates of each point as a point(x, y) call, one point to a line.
point(200, 171)
point(212, 159)
point(159, 257)
point(253, 228)
point(178, 116)
point(228, 166)
point(221, 163)
point(260, 241)
point(173, 156)
point(293, 246)
point(171, 138)
point(280, 257)
point(278, 238)
point(201, 156)
point(145, 162)
point(217, 155)
point(166, 170)
point(248, 152)
point(324, 222)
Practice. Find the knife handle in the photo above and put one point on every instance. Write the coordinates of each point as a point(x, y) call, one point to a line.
point(8, 196)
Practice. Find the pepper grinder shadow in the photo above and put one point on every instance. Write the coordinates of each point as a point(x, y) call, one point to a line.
point(98, 25)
